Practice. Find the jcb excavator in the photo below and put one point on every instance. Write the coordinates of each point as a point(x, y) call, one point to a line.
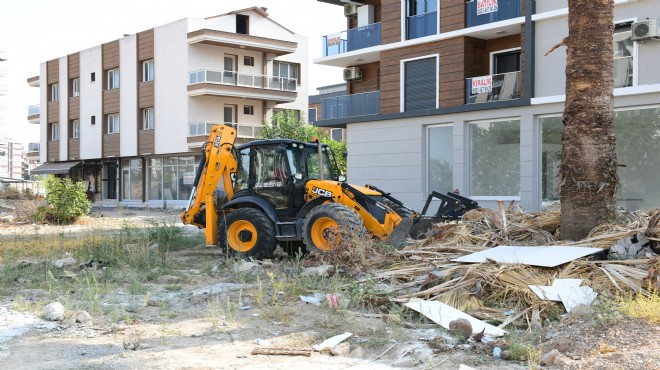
point(285, 191)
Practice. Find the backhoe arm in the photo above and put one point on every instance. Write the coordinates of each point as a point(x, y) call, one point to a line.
point(218, 162)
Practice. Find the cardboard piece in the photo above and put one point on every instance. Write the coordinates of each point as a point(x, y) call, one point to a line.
point(443, 314)
point(544, 256)
point(551, 293)
point(567, 291)
point(331, 342)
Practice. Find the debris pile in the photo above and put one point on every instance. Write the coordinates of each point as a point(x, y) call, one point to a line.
point(499, 281)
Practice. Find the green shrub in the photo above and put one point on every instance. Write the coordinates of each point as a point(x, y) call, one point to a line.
point(66, 201)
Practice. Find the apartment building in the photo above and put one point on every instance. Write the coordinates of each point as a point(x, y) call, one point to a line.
point(13, 162)
point(457, 94)
point(129, 117)
point(314, 110)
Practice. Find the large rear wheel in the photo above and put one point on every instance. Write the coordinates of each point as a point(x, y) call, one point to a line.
point(327, 225)
point(247, 231)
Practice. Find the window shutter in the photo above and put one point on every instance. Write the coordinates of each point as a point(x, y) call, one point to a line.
point(419, 86)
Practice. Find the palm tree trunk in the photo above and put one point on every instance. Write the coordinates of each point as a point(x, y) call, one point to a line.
point(589, 165)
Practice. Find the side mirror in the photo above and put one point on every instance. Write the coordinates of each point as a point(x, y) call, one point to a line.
point(342, 178)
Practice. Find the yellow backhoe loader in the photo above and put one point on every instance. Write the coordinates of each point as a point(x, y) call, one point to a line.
point(251, 197)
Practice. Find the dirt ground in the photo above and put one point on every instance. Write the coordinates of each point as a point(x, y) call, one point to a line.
point(200, 316)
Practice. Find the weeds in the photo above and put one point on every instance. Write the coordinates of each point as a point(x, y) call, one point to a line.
point(274, 305)
point(645, 307)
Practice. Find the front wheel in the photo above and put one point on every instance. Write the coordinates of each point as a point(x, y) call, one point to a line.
point(247, 231)
point(328, 224)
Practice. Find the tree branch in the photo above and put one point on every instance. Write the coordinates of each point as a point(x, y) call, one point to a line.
point(562, 42)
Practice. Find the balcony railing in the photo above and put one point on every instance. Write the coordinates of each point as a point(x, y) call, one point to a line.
point(483, 89)
point(422, 25)
point(478, 12)
point(351, 105)
point(242, 79)
point(33, 109)
point(33, 147)
point(353, 39)
point(623, 71)
point(242, 129)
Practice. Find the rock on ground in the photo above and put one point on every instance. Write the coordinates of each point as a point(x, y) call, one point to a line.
point(54, 312)
point(461, 327)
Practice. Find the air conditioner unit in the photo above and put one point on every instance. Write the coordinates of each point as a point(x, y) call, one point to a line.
point(350, 10)
point(352, 73)
point(646, 30)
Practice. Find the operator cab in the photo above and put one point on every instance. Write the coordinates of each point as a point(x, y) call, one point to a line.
point(277, 170)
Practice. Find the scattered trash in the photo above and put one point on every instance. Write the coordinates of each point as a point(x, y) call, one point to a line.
point(509, 313)
point(282, 351)
point(543, 256)
point(320, 271)
point(315, 299)
point(331, 342)
point(245, 308)
point(443, 314)
point(497, 353)
point(262, 342)
point(567, 291)
point(465, 367)
point(333, 300)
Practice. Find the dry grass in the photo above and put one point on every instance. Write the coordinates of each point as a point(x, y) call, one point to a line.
point(645, 307)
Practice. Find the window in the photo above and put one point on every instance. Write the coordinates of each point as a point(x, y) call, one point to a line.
point(440, 158)
point(148, 119)
point(131, 171)
point(93, 120)
point(75, 87)
point(494, 167)
point(75, 129)
point(113, 79)
point(248, 110)
point(171, 178)
point(623, 55)
point(289, 70)
point(92, 76)
point(421, 18)
point(54, 92)
point(637, 134)
point(505, 61)
point(242, 24)
point(337, 134)
point(55, 131)
point(311, 113)
point(248, 61)
point(148, 70)
point(420, 87)
point(113, 123)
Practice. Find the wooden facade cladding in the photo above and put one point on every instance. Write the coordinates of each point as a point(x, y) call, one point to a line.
point(110, 145)
point(146, 94)
point(111, 101)
point(390, 27)
point(146, 142)
point(197, 139)
point(452, 15)
point(111, 55)
point(145, 45)
point(73, 65)
point(52, 72)
point(53, 154)
point(74, 107)
point(53, 114)
point(370, 79)
point(74, 149)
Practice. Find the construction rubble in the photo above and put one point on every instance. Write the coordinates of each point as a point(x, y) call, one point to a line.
point(624, 260)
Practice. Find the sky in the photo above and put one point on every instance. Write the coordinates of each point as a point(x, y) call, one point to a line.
point(34, 31)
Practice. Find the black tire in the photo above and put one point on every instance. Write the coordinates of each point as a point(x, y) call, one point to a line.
point(327, 224)
point(248, 232)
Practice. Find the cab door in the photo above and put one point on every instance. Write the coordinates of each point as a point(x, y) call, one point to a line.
point(270, 176)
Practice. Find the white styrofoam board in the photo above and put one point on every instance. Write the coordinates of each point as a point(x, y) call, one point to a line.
point(573, 296)
point(443, 314)
point(551, 293)
point(331, 342)
point(544, 256)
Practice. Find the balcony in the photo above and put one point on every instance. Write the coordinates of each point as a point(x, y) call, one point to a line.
point(351, 105)
point(198, 131)
point(33, 113)
point(240, 41)
point(242, 85)
point(33, 81)
point(351, 40)
point(33, 147)
point(499, 87)
point(422, 25)
point(480, 12)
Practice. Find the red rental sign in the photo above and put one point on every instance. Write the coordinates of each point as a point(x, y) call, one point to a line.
point(486, 6)
point(482, 84)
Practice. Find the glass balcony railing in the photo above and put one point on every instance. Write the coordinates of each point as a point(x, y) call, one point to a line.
point(623, 71)
point(483, 89)
point(242, 79)
point(242, 129)
point(478, 12)
point(422, 25)
point(33, 109)
point(33, 147)
point(351, 40)
point(351, 105)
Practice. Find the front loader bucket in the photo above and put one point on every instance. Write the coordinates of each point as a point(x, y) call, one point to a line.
point(400, 232)
point(452, 206)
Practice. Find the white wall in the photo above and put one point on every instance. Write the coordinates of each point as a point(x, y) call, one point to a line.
point(91, 103)
point(43, 112)
point(64, 107)
point(211, 108)
point(128, 96)
point(171, 87)
point(202, 56)
point(259, 26)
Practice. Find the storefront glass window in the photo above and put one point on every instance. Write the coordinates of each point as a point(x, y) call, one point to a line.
point(494, 158)
point(440, 161)
point(131, 179)
point(171, 178)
